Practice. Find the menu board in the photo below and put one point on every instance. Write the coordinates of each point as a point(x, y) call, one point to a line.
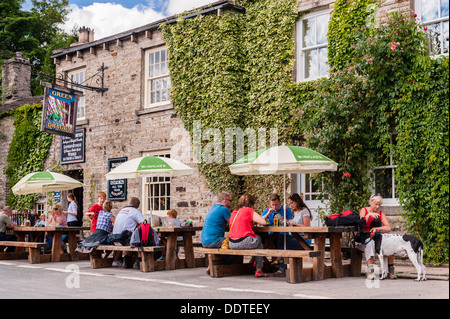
point(72, 149)
point(117, 188)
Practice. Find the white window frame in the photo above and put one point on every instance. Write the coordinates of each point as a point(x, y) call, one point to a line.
point(439, 20)
point(387, 201)
point(301, 49)
point(148, 182)
point(79, 76)
point(163, 78)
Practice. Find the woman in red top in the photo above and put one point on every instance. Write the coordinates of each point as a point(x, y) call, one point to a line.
point(241, 233)
point(376, 221)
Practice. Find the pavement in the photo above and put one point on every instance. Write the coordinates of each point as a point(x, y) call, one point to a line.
point(69, 280)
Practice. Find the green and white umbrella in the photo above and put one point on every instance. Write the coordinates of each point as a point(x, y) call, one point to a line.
point(148, 166)
point(282, 160)
point(44, 182)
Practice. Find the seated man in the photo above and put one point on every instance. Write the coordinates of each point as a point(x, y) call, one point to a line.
point(126, 221)
point(275, 208)
point(6, 223)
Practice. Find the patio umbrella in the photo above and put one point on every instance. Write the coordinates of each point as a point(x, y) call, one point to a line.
point(148, 166)
point(44, 182)
point(282, 160)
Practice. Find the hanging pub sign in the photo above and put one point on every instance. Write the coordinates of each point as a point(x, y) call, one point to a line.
point(117, 188)
point(59, 111)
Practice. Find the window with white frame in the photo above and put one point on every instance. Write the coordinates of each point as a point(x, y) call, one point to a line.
point(312, 44)
point(434, 14)
point(157, 79)
point(79, 76)
point(157, 190)
point(385, 180)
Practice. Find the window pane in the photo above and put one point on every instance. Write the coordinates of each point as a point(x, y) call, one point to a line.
point(309, 32)
point(311, 64)
point(430, 10)
point(444, 8)
point(445, 34)
point(157, 57)
point(151, 58)
point(383, 182)
point(323, 61)
point(322, 28)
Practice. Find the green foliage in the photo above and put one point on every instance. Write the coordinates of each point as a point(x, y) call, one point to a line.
point(35, 33)
point(235, 71)
point(390, 85)
point(27, 152)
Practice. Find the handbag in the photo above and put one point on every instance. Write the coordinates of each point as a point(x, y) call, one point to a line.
point(226, 242)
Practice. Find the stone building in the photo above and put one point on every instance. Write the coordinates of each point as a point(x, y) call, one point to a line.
point(131, 115)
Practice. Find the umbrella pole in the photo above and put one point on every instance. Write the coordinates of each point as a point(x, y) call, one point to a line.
point(284, 210)
point(46, 210)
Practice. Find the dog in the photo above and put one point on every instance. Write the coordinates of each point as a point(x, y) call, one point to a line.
point(401, 245)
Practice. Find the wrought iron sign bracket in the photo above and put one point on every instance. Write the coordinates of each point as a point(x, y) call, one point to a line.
point(63, 77)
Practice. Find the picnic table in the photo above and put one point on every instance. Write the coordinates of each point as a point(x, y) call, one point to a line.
point(294, 258)
point(36, 235)
point(168, 237)
point(319, 234)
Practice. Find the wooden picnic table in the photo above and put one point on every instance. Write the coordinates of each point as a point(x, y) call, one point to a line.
point(168, 236)
point(319, 234)
point(36, 234)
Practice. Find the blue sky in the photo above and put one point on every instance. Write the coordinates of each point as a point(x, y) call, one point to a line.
point(111, 17)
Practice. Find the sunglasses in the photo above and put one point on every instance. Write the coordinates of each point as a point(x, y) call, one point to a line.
point(55, 208)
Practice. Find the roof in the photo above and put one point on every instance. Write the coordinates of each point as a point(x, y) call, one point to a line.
point(208, 9)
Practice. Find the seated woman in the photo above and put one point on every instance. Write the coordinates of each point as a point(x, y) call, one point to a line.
point(57, 218)
point(241, 233)
point(376, 221)
point(302, 218)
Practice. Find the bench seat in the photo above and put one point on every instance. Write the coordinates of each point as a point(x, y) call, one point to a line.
point(294, 260)
point(146, 254)
point(34, 253)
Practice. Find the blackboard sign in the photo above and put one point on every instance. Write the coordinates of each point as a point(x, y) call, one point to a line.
point(117, 188)
point(72, 149)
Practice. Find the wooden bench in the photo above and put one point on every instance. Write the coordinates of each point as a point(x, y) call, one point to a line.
point(34, 251)
point(294, 260)
point(147, 255)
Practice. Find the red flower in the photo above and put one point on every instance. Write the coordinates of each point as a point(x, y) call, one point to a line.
point(425, 29)
point(411, 80)
point(415, 15)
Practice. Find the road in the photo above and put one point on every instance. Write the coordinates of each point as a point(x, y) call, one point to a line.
point(66, 280)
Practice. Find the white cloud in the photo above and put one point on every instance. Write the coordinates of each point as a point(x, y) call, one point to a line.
point(108, 19)
point(178, 6)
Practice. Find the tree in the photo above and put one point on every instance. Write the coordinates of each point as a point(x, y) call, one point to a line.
point(35, 33)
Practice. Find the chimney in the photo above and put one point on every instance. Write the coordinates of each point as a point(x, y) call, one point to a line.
point(16, 76)
point(85, 35)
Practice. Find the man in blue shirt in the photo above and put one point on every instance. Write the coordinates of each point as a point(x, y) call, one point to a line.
point(276, 208)
point(216, 220)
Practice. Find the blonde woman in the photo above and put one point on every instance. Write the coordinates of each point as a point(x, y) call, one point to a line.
point(376, 221)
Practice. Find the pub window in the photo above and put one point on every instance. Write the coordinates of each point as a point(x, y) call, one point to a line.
point(157, 80)
point(79, 76)
point(312, 43)
point(434, 14)
point(157, 190)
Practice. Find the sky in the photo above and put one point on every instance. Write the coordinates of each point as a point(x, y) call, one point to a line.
point(111, 17)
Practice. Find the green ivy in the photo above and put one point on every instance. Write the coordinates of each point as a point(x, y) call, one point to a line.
point(27, 152)
point(235, 71)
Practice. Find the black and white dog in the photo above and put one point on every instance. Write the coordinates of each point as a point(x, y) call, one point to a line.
point(401, 245)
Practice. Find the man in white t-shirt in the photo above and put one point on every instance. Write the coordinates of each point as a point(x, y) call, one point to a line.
point(127, 219)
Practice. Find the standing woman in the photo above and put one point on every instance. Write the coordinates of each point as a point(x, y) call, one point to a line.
point(72, 210)
point(376, 221)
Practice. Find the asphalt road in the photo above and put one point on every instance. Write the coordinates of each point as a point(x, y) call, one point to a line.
point(20, 280)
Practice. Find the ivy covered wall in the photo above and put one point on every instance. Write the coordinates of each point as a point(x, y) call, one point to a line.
point(236, 71)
